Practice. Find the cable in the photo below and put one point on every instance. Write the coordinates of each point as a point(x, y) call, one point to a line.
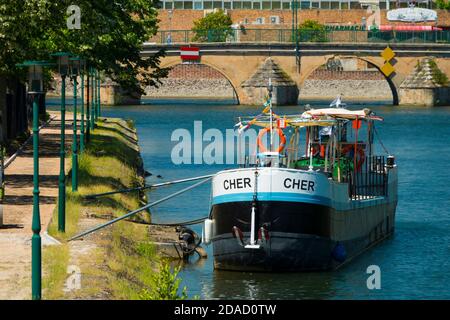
point(379, 140)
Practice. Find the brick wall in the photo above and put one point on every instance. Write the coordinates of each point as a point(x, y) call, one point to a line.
point(345, 75)
point(183, 19)
point(194, 71)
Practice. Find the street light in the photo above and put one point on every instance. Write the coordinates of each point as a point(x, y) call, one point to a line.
point(94, 101)
point(82, 72)
point(35, 88)
point(63, 69)
point(98, 94)
point(74, 69)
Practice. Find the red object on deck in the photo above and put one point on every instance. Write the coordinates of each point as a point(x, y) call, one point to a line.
point(190, 53)
point(409, 28)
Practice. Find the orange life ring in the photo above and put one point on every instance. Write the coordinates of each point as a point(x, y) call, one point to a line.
point(359, 150)
point(261, 146)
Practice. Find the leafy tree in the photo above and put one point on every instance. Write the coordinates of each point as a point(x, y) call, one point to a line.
point(312, 31)
point(110, 37)
point(165, 285)
point(443, 4)
point(214, 27)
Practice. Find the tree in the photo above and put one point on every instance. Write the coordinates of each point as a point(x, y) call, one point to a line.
point(110, 38)
point(214, 27)
point(443, 4)
point(312, 31)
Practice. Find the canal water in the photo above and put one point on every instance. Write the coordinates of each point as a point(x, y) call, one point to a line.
point(415, 263)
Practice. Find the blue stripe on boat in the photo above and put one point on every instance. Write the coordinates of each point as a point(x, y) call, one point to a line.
point(272, 196)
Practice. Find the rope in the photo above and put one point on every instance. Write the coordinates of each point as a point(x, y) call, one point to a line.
point(183, 223)
point(379, 140)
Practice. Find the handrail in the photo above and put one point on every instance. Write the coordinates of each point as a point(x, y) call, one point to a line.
point(260, 35)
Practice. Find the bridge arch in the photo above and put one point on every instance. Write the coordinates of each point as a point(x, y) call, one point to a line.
point(170, 63)
point(310, 64)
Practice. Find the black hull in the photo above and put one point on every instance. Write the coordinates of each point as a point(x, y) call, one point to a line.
point(300, 237)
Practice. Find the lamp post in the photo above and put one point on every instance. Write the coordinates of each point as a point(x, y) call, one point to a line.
point(82, 71)
point(74, 69)
point(93, 98)
point(63, 69)
point(88, 104)
point(98, 95)
point(35, 88)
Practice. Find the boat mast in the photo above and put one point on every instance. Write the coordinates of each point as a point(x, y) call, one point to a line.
point(270, 88)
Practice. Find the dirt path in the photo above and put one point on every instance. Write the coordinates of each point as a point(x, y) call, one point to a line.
point(15, 234)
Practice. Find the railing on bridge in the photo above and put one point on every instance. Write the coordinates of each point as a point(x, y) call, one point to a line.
point(287, 36)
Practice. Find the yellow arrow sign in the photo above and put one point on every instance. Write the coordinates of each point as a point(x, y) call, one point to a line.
point(387, 69)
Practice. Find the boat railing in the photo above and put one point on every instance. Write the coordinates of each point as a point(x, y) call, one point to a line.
point(368, 180)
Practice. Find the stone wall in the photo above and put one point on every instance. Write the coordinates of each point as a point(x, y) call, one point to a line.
point(350, 89)
point(200, 88)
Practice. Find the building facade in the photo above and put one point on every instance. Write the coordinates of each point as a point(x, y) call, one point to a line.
point(287, 4)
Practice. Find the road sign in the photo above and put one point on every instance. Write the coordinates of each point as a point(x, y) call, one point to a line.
point(387, 54)
point(190, 53)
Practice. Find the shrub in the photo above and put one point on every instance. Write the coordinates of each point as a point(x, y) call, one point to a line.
point(214, 27)
point(165, 285)
point(312, 31)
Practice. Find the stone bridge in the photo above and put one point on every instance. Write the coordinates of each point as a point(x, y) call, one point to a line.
point(238, 62)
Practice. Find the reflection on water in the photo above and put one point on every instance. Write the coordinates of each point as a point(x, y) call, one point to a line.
point(414, 263)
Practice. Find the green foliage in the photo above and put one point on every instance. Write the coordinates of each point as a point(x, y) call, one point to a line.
point(438, 76)
point(110, 37)
point(214, 27)
point(443, 4)
point(165, 285)
point(312, 31)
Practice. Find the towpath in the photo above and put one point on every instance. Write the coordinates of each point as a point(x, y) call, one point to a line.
point(15, 234)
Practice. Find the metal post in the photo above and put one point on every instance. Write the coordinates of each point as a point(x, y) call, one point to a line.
point(92, 99)
point(94, 85)
point(98, 96)
point(82, 114)
point(75, 139)
point(88, 110)
point(62, 156)
point(36, 259)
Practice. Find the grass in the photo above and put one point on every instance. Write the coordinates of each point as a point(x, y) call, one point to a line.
point(56, 260)
point(110, 161)
point(124, 263)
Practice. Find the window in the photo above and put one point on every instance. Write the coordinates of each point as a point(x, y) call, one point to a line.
point(256, 5)
point(334, 5)
point(315, 5)
point(178, 5)
point(259, 20)
point(188, 4)
point(168, 5)
point(325, 5)
point(217, 4)
point(276, 5)
point(266, 4)
point(286, 6)
point(198, 5)
point(344, 5)
point(227, 5)
point(207, 5)
point(275, 20)
point(355, 5)
point(246, 5)
point(237, 5)
point(305, 4)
